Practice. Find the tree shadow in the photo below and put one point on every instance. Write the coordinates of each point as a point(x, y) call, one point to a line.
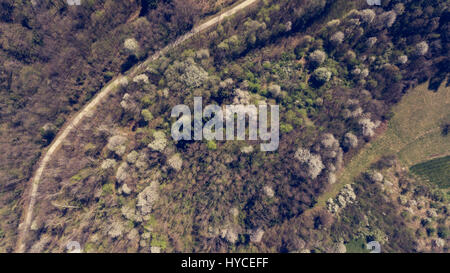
point(442, 74)
point(130, 61)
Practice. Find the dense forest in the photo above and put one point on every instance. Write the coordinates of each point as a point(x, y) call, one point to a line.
point(55, 57)
point(335, 68)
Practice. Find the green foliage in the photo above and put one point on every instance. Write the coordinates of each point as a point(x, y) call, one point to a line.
point(321, 75)
point(212, 145)
point(159, 241)
point(81, 175)
point(357, 246)
point(232, 45)
point(108, 189)
point(147, 115)
point(89, 248)
point(295, 117)
point(436, 171)
point(286, 127)
point(254, 87)
point(146, 100)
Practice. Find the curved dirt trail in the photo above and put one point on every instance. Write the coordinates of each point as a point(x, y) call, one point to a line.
point(90, 108)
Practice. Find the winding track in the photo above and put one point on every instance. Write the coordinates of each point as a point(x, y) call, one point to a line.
point(90, 108)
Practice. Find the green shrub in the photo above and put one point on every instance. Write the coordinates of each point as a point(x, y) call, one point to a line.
point(286, 127)
point(211, 145)
point(147, 115)
point(254, 87)
point(146, 100)
point(159, 241)
point(108, 189)
point(321, 75)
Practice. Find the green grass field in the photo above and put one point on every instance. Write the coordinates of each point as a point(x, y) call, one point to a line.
point(436, 171)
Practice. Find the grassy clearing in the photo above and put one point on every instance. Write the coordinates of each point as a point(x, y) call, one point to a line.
point(436, 171)
point(413, 134)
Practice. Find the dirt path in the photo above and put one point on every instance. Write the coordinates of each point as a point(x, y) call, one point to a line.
point(90, 108)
